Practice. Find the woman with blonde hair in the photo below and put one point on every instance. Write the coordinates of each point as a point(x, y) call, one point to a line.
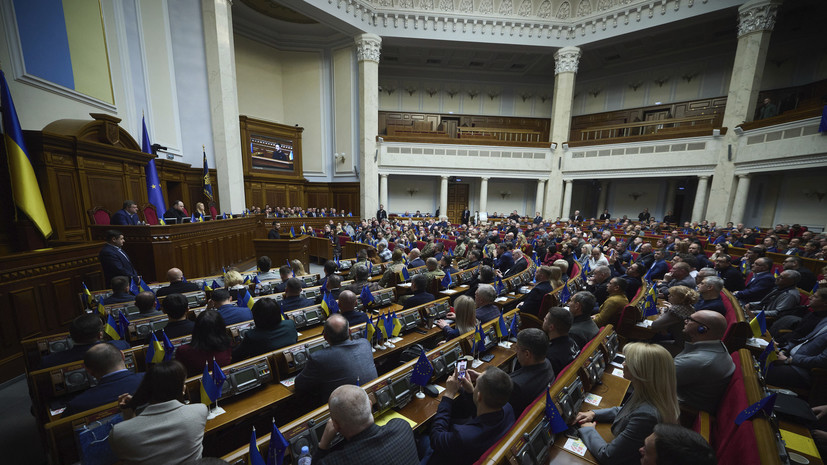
point(651, 370)
point(680, 306)
point(465, 317)
point(555, 276)
point(297, 267)
point(199, 210)
point(233, 282)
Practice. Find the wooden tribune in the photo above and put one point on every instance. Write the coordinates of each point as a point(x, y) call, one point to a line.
point(282, 250)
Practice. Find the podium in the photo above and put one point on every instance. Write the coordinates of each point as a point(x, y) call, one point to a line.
point(282, 250)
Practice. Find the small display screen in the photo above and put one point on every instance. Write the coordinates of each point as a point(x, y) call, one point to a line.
point(315, 348)
point(159, 324)
point(245, 376)
point(409, 319)
point(451, 357)
point(311, 315)
point(400, 387)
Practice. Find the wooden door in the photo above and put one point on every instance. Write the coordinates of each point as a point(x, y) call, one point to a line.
point(457, 201)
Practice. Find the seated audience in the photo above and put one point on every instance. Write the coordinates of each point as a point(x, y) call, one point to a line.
point(799, 326)
point(675, 445)
point(365, 442)
point(583, 328)
point(455, 441)
point(445, 264)
point(177, 284)
point(346, 361)
point(535, 372)
point(633, 280)
point(360, 280)
point(105, 363)
point(209, 341)
point(85, 331)
point(292, 296)
point(733, 279)
point(167, 430)
point(128, 215)
point(679, 307)
point(782, 300)
point(347, 307)
point(120, 291)
point(710, 295)
point(465, 318)
point(704, 367)
point(531, 302)
point(298, 267)
point(679, 276)
point(332, 285)
point(234, 284)
point(392, 269)
point(761, 283)
point(419, 287)
point(145, 301)
point(561, 348)
point(484, 298)
point(808, 279)
point(264, 268)
point(598, 283)
point(610, 310)
point(272, 331)
point(520, 264)
point(654, 400)
point(798, 357)
point(433, 271)
point(413, 259)
point(231, 313)
point(176, 306)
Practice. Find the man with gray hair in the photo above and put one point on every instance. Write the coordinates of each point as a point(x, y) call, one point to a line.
point(782, 299)
point(597, 284)
point(703, 273)
point(583, 328)
point(413, 259)
point(710, 290)
point(679, 276)
point(365, 442)
point(484, 298)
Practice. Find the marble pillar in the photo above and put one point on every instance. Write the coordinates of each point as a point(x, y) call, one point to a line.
point(756, 20)
point(567, 199)
point(538, 201)
point(739, 205)
point(443, 196)
point(566, 61)
point(483, 195)
point(367, 54)
point(217, 18)
point(700, 199)
point(383, 191)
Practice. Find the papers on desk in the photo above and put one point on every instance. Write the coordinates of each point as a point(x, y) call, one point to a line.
point(617, 372)
point(449, 291)
point(593, 399)
point(390, 415)
point(404, 284)
point(394, 339)
point(756, 342)
point(504, 344)
point(214, 412)
point(56, 412)
point(575, 446)
point(500, 299)
point(644, 323)
point(476, 363)
point(299, 334)
point(799, 443)
point(289, 382)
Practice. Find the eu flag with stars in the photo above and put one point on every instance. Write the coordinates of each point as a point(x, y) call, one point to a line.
point(479, 339)
point(500, 286)
point(565, 294)
point(555, 421)
point(422, 370)
point(218, 377)
point(255, 454)
point(366, 297)
point(513, 329)
point(153, 184)
point(169, 349)
point(764, 405)
point(278, 445)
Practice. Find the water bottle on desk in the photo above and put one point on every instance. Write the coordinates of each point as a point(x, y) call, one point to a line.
point(304, 457)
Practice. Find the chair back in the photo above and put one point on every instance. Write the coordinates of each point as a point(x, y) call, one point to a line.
point(213, 211)
point(99, 215)
point(150, 214)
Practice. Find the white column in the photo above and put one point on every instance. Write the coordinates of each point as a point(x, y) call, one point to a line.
point(383, 191)
point(483, 195)
point(443, 196)
point(567, 199)
point(756, 20)
point(700, 198)
point(671, 192)
point(601, 198)
point(566, 61)
point(739, 205)
point(538, 201)
point(221, 80)
point(367, 54)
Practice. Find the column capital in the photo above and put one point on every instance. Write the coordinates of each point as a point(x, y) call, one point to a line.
point(566, 60)
point(568, 181)
point(485, 179)
point(444, 178)
point(757, 16)
point(744, 176)
point(705, 176)
point(541, 181)
point(383, 175)
point(368, 47)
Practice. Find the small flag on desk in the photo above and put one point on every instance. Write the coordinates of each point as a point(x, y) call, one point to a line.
point(405, 259)
point(650, 302)
point(144, 287)
point(90, 299)
point(404, 275)
point(209, 393)
point(382, 326)
point(815, 288)
point(292, 232)
point(366, 297)
point(133, 287)
point(101, 308)
point(370, 330)
point(565, 294)
point(555, 421)
point(388, 325)
point(303, 229)
point(759, 324)
point(501, 328)
point(154, 350)
point(479, 339)
point(111, 329)
point(422, 370)
point(215, 284)
point(169, 349)
point(278, 445)
point(775, 273)
point(447, 281)
point(767, 357)
point(397, 325)
point(207, 185)
point(764, 405)
point(218, 377)
point(245, 299)
point(513, 329)
point(329, 304)
point(744, 266)
point(123, 324)
point(500, 286)
point(255, 454)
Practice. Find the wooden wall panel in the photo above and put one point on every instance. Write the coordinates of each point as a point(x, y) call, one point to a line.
point(106, 191)
point(68, 193)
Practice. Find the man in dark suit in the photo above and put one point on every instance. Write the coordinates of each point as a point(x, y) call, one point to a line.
point(461, 441)
point(176, 306)
point(576, 217)
point(347, 307)
point(644, 215)
point(270, 333)
point(292, 296)
point(531, 302)
point(710, 295)
point(381, 214)
point(105, 363)
point(346, 361)
point(520, 264)
point(466, 216)
point(231, 313)
point(175, 214)
point(120, 291)
point(538, 218)
point(733, 279)
point(505, 259)
point(808, 279)
point(419, 285)
point(274, 233)
point(761, 283)
point(798, 357)
point(126, 216)
point(535, 372)
point(85, 331)
point(583, 328)
point(113, 259)
point(413, 259)
point(177, 285)
point(562, 349)
point(605, 215)
point(365, 442)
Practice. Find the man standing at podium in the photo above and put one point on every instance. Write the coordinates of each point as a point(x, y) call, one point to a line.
point(128, 215)
point(113, 259)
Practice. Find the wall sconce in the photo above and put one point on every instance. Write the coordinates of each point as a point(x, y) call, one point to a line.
point(411, 90)
point(738, 131)
point(473, 93)
point(452, 92)
point(595, 92)
point(688, 77)
point(492, 94)
point(431, 91)
point(812, 193)
point(716, 133)
point(661, 81)
point(635, 85)
point(505, 194)
point(545, 97)
point(389, 89)
point(554, 146)
point(339, 157)
point(636, 195)
point(526, 95)
point(412, 191)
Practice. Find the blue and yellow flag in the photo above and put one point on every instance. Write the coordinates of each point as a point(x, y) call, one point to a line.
point(169, 349)
point(404, 275)
point(759, 324)
point(154, 350)
point(24, 187)
point(292, 232)
point(123, 324)
point(209, 394)
point(422, 370)
point(500, 286)
point(366, 297)
point(303, 229)
point(565, 294)
point(397, 325)
point(101, 308)
point(245, 299)
point(153, 184)
point(479, 339)
point(501, 328)
point(767, 357)
point(89, 298)
point(218, 376)
point(513, 329)
point(555, 422)
point(370, 330)
point(329, 304)
point(278, 445)
point(255, 454)
point(111, 329)
point(382, 326)
point(206, 181)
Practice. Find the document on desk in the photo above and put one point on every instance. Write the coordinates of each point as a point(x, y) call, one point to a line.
point(644, 323)
point(757, 342)
point(799, 443)
point(449, 291)
point(289, 382)
point(593, 399)
point(404, 284)
point(575, 446)
point(500, 299)
point(390, 415)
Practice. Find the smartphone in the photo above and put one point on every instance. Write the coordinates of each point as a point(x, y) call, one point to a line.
point(461, 366)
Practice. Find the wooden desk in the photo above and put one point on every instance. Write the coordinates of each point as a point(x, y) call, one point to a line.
point(282, 250)
point(197, 248)
point(804, 431)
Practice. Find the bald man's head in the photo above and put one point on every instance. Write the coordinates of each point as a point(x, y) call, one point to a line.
point(174, 275)
point(714, 322)
point(336, 329)
point(347, 301)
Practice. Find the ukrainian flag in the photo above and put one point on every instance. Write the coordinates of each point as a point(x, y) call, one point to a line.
point(101, 308)
point(501, 328)
point(397, 325)
point(154, 351)
point(208, 390)
point(404, 275)
point(89, 298)
point(25, 189)
point(245, 299)
point(370, 330)
point(206, 182)
point(759, 324)
point(111, 329)
point(329, 304)
point(382, 325)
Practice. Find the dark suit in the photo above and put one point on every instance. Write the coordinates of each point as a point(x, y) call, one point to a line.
point(658, 269)
point(630, 428)
point(716, 305)
point(174, 215)
point(518, 267)
point(355, 317)
point(258, 341)
point(561, 351)
point(758, 287)
point(234, 314)
point(466, 217)
point(273, 234)
point(350, 362)
point(577, 218)
point(808, 279)
point(179, 287)
point(109, 388)
point(532, 300)
point(179, 328)
point(529, 382)
point(374, 446)
point(419, 298)
point(294, 302)
point(810, 352)
point(733, 279)
point(115, 262)
point(458, 442)
point(122, 217)
point(605, 216)
point(504, 262)
point(381, 215)
point(119, 298)
point(583, 330)
point(488, 312)
point(75, 354)
point(416, 263)
point(632, 285)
